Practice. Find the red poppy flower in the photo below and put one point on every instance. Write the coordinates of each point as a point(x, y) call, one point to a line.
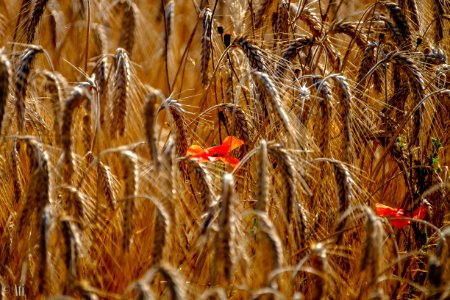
point(217, 152)
point(387, 211)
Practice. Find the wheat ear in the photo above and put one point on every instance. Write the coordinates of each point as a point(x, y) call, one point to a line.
point(38, 193)
point(76, 98)
point(346, 99)
point(404, 34)
point(439, 11)
point(325, 100)
point(105, 182)
point(260, 11)
point(54, 88)
point(241, 126)
point(174, 281)
point(131, 183)
point(44, 243)
point(22, 73)
point(253, 53)
point(344, 192)
point(287, 176)
point(14, 159)
point(121, 91)
point(206, 44)
point(128, 27)
point(5, 85)
point(224, 250)
point(201, 180)
point(36, 16)
point(263, 178)
point(72, 242)
point(150, 123)
point(22, 20)
point(372, 245)
point(101, 80)
point(268, 87)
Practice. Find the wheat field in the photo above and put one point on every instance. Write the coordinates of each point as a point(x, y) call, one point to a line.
point(224, 149)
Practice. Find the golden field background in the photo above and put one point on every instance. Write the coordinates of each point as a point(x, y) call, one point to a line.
point(340, 104)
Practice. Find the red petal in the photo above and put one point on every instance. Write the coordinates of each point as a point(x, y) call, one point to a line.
point(232, 142)
point(420, 213)
point(399, 224)
point(232, 161)
point(195, 151)
point(387, 211)
point(217, 150)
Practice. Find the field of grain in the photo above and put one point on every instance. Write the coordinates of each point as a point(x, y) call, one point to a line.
point(112, 187)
